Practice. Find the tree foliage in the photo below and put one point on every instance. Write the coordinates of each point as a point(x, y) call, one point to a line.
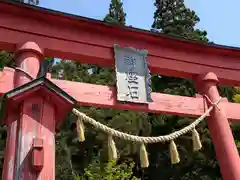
point(111, 171)
point(174, 18)
point(116, 14)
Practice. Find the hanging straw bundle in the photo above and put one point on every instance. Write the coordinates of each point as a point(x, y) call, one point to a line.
point(197, 145)
point(80, 130)
point(143, 156)
point(112, 151)
point(174, 153)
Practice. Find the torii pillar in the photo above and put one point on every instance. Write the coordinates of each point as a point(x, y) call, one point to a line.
point(220, 130)
point(19, 132)
point(32, 110)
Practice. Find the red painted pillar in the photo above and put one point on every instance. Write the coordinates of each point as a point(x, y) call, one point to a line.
point(24, 158)
point(28, 62)
point(220, 130)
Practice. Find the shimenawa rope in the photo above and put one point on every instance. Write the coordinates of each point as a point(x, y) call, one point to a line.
point(144, 140)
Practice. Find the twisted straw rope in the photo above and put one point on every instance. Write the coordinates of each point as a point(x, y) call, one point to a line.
point(145, 140)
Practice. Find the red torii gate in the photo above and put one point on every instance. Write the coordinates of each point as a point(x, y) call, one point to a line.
point(33, 33)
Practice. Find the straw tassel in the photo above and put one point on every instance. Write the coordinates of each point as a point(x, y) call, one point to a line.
point(143, 156)
point(80, 130)
point(112, 151)
point(197, 145)
point(174, 153)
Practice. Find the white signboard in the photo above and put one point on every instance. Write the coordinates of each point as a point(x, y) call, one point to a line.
point(133, 77)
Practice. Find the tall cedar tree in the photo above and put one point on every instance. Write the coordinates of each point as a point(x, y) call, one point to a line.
point(116, 13)
point(172, 17)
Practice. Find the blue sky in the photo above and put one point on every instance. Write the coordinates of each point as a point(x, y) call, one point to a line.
point(218, 18)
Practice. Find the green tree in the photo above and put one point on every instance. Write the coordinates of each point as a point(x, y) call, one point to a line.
point(174, 18)
point(111, 171)
point(116, 13)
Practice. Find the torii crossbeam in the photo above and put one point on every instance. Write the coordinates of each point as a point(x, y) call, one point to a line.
point(32, 33)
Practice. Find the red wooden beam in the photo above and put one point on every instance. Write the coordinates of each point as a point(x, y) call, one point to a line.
point(105, 96)
point(86, 40)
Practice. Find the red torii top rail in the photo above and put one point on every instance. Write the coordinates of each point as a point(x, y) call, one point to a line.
point(40, 32)
point(91, 41)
